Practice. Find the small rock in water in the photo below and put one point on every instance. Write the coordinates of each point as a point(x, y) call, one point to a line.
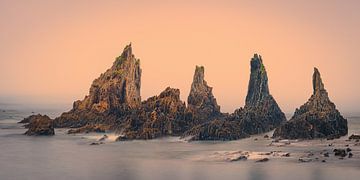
point(96, 143)
point(355, 136)
point(286, 155)
point(326, 154)
point(255, 139)
point(330, 144)
point(340, 152)
point(323, 161)
point(266, 136)
point(239, 158)
point(305, 159)
point(350, 155)
point(263, 160)
point(348, 149)
point(103, 138)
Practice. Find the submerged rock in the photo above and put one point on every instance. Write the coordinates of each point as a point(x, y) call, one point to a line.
point(40, 125)
point(263, 160)
point(113, 94)
point(202, 105)
point(317, 118)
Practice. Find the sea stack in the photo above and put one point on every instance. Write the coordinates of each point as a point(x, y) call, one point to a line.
point(317, 118)
point(202, 105)
point(40, 125)
point(261, 113)
point(114, 93)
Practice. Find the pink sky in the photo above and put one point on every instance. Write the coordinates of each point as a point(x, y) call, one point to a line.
point(50, 51)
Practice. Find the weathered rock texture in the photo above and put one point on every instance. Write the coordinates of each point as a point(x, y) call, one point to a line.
point(97, 128)
point(219, 130)
point(261, 113)
point(202, 105)
point(114, 93)
point(40, 125)
point(158, 116)
point(317, 118)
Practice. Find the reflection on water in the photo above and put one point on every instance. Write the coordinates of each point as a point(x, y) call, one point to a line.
point(71, 157)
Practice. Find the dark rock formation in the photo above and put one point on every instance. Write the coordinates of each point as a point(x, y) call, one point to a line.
point(98, 128)
point(317, 118)
point(354, 136)
point(40, 125)
point(114, 93)
point(202, 105)
point(261, 112)
point(158, 116)
point(220, 130)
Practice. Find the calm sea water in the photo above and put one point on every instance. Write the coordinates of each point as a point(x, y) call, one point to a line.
point(71, 157)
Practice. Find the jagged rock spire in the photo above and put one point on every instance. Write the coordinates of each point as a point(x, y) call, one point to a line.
point(112, 92)
point(258, 84)
point(199, 75)
point(317, 118)
point(318, 86)
point(201, 101)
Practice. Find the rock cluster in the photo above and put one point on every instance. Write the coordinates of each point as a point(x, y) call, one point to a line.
point(40, 125)
point(317, 118)
point(114, 103)
point(260, 114)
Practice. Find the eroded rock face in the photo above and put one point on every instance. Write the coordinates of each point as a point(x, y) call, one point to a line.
point(158, 116)
point(40, 125)
point(218, 130)
point(261, 113)
point(317, 118)
point(202, 105)
point(114, 93)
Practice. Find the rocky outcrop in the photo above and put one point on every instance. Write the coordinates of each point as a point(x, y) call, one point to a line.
point(158, 116)
point(40, 125)
point(202, 105)
point(261, 113)
point(97, 128)
point(115, 93)
point(317, 118)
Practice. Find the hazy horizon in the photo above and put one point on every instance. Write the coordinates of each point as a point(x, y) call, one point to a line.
point(52, 51)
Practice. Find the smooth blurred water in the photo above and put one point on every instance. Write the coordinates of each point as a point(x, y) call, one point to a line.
point(71, 157)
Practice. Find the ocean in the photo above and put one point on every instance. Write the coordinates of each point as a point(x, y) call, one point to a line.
point(68, 157)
